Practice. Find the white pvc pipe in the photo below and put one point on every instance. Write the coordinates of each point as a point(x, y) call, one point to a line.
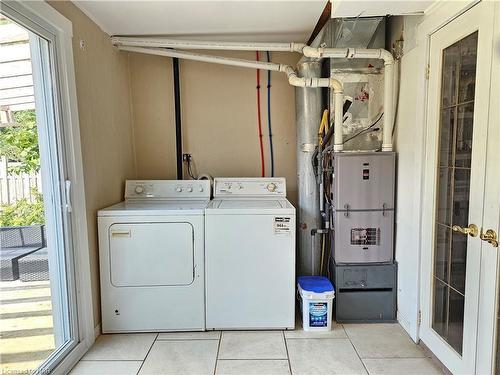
point(361, 53)
point(158, 46)
point(204, 58)
point(208, 45)
point(389, 107)
point(338, 139)
point(293, 79)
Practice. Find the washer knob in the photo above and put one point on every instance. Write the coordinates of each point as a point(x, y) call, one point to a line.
point(189, 189)
point(178, 189)
point(271, 187)
point(139, 189)
point(200, 189)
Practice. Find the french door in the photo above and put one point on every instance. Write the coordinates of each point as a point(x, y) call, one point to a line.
point(462, 205)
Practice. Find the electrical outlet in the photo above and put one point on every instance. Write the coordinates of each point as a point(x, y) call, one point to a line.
point(186, 157)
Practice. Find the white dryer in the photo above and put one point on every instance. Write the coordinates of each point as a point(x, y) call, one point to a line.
point(151, 250)
point(250, 255)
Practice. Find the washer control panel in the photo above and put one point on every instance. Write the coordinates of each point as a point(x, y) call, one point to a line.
point(167, 189)
point(250, 187)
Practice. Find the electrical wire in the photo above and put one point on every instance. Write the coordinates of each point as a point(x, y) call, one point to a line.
point(262, 164)
point(364, 130)
point(190, 172)
point(396, 106)
point(271, 152)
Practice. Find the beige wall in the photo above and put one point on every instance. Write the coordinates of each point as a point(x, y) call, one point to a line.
point(102, 84)
point(126, 111)
point(219, 117)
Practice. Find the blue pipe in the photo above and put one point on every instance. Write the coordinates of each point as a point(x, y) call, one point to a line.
point(269, 115)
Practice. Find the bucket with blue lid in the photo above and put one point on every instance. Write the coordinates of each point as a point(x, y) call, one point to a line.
point(317, 294)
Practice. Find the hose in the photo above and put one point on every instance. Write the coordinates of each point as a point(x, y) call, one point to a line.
point(271, 152)
point(262, 164)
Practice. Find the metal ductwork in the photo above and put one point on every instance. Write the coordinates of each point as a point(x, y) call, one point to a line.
point(309, 107)
point(363, 79)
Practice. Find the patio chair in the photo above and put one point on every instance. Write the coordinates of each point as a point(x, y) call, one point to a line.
point(35, 266)
point(16, 243)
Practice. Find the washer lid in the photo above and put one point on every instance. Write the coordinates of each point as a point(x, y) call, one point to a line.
point(141, 208)
point(249, 206)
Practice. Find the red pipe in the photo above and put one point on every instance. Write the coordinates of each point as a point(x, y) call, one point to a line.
point(262, 164)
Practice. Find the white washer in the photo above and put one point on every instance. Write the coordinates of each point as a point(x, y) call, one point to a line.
point(151, 249)
point(250, 255)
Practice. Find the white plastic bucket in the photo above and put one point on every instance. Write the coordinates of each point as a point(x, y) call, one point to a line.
point(316, 310)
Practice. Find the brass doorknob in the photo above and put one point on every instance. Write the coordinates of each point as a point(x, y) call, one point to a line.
point(489, 236)
point(471, 230)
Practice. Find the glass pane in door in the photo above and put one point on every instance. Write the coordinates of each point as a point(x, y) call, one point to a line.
point(36, 317)
point(453, 185)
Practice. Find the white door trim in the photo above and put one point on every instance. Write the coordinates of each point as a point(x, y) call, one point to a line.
point(490, 267)
point(48, 18)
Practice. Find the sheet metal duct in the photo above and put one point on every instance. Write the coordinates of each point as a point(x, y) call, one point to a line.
point(363, 79)
point(309, 107)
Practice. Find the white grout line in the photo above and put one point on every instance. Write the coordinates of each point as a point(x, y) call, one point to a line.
point(144, 360)
point(356, 350)
point(217, 355)
point(253, 359)
point(287, 355)
point(186, 339)
point(111, 360)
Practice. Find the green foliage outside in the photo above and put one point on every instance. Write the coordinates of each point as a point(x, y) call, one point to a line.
point(23, 212)
point(20, 144)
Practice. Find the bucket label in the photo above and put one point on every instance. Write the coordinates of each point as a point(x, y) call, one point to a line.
point(282, 225)
point(318, 314)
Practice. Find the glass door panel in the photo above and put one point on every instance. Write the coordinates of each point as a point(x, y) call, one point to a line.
point(37, 296)
point(453, 188)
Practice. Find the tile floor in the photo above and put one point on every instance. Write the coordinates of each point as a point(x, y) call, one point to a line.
point(347, 349)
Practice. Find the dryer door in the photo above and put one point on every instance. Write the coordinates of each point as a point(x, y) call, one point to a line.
point(151, 254)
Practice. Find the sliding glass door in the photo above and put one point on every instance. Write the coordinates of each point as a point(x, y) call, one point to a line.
point(38, 306)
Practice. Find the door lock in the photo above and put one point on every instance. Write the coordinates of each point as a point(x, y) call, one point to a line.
point(489, 236)
point(471, 230)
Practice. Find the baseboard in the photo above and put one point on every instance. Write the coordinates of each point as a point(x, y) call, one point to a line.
point(97, 331)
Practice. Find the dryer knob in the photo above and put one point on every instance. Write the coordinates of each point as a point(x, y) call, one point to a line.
point(271, 187)
point(200, 189)
point(190, 189)
point(139, 189)
point(178, 189)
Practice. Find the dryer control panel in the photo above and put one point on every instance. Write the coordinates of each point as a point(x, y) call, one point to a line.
point(167, 189)
point(261, 187)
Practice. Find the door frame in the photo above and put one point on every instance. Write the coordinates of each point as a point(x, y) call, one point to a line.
point(42, 15)
point(438, 16)
point(490, 260)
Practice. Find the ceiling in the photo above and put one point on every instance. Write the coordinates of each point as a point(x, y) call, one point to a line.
point(366, 8)
point(278, 21)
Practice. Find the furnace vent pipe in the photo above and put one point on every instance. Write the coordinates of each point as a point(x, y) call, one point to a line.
point(362, 53)
point(322, 52)
point(293, 78)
